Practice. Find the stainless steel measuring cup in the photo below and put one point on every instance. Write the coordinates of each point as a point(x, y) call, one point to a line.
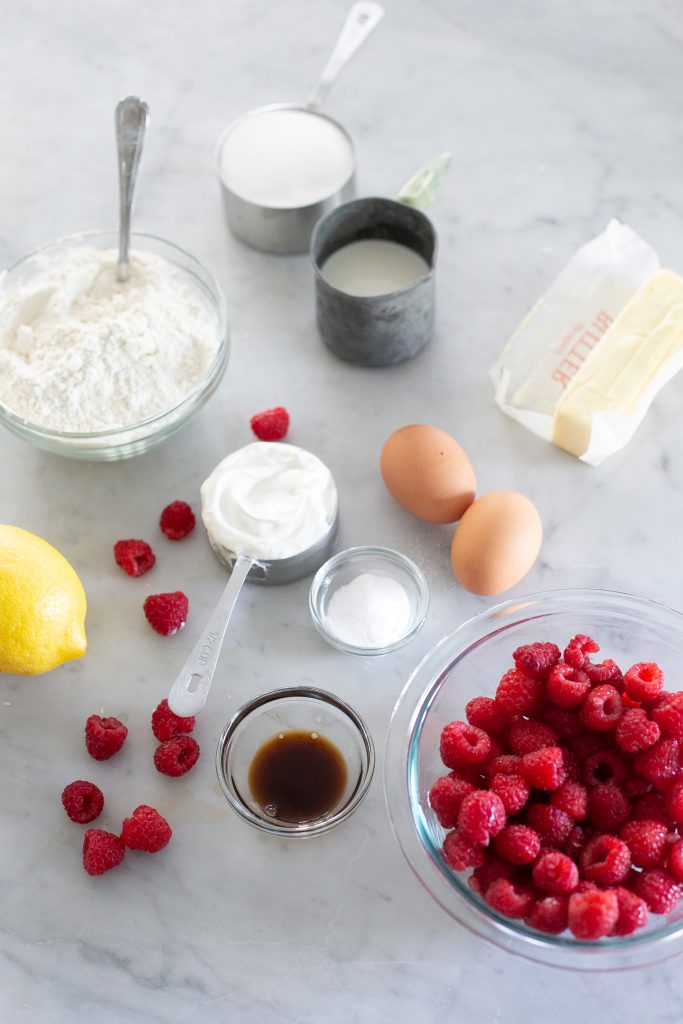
point(191, 688)
point(286, 228)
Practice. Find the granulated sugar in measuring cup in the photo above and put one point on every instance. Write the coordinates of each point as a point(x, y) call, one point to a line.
point(282, 166)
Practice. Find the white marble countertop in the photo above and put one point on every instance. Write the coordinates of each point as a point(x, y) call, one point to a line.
point(559, 117)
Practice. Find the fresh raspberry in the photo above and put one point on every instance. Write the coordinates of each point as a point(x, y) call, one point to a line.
point(572, 768)
point(552, 824)
point(605, 860)
point(513, 790)
point(177, 520)
point(632, 912)
point(489, 870)
point(470, 774)
point(647, 842)
point(609, 808)
point(635, 731)
point(567, 686)
point(663, 698)
point(628, 702)
point(669, 715)
point(484, 713)
point(675, 861)
point(445, 798)
point(517, 844)
point(134, 556)
point(658, 764)
point(459, 853)
point(549, 914)
point(536, 659)
point(165, 723)
point(146, 830)
point(482, 816)
point(509, 898)
point(660, 891)
point(575, 842)
point(526, 735)
point(603, 767)
point(635, 787)
point(571, 797)
point(577, 651)
point(463, 745)
point(644, 681)
point(555, 874)
point(518, 693)
point(497, 749)
point(101, 851)
point(586, 743)
point(543, 769)
point(674, 801)
point(593, 914)
point(651, 807)
point(586, 886)
point(104, 737)
point(505, 764)
point(166, 613)
point(271, 425)
point(606, 671)
point(83, 801)
point(176, 756)
point(564, 721)
point(602, 708)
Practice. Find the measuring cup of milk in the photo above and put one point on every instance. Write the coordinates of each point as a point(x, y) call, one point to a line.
point(283, 166)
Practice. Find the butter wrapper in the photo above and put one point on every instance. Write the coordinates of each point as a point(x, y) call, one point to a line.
point(556, 338)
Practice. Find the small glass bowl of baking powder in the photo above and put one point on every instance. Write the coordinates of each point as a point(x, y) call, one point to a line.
point(369, 601)
point(148, 370)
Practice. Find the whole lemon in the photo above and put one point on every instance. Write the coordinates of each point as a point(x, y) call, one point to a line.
point(42, 605)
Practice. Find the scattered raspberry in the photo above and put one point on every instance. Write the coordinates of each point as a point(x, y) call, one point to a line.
point(517, 844)
point(647, 842)
point(83, 801)
point(543, 769)
point(271, 425)
point(644, 681)
point(567, 686)
point(669, 715)
point(549, 914)
point(606, 671)
point(513, 790)
point(605, 860)
point(659, 764)
point(176, 756)
point(165, 723)
point(134, 556)
point(602, 708)
point(482, 816)
point(564, 721)
point(609, 808)
point(166, 613)
point(445, 798)
point(504, 764)
point(552, 824)
point(577, 651)
point(509, 898)
point(651, 807)
point(459, 853)
point(526, 735)
point(675, 862)
point(104, 737)
point(177, 520)
point(101, 851)
point(593, 914)
point(660, 891)
point(632, 912)
point(536, 659)
point(518, 693)
point(603, 767)
point(635, 731)
point(146, 830)
point(571, 797)
point(463, 745)
point(484, 713)
point(555, 874)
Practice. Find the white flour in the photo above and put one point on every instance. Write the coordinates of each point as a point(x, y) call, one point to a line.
point(81, 351)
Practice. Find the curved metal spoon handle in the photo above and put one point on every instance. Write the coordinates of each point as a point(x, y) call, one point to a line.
point(130, 118)
point(363, 18)
point(191, 688)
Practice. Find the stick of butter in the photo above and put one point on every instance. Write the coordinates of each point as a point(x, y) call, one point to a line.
point(641, 350)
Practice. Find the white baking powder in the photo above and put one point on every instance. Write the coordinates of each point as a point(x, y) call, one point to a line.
point(82, 351)
point(370, 611)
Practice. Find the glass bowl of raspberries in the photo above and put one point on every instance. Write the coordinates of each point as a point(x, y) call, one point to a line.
point(534, 779)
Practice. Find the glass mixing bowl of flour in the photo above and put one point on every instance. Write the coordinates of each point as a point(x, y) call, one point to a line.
point(98, 369)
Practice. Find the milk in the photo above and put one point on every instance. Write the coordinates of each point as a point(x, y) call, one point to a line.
point(373, 266)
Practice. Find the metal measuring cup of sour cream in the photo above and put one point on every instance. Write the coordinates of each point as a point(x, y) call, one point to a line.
point(284, 165)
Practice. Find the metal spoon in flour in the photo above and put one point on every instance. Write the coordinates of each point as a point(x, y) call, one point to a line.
point(130, 117)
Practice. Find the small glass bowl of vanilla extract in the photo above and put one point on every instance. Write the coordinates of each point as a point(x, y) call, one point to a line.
point(295, 761)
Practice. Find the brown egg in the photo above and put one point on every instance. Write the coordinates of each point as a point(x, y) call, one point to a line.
point(428, 473)
point(496, 543)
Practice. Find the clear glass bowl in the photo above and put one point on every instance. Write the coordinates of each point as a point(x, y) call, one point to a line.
point(346, 566)
point(470, 662)
point(134, 438)
point(294, 709)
